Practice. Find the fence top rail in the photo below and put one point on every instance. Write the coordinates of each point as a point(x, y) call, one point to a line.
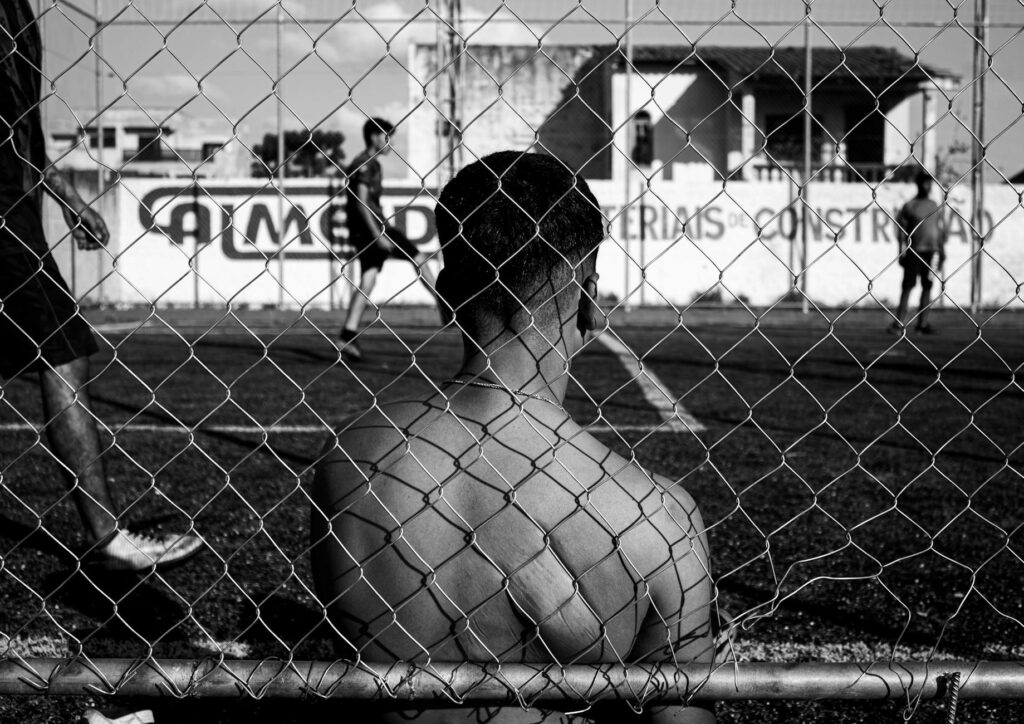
point(524, 684)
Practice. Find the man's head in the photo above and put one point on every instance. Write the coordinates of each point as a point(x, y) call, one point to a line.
point(519, 234)
point(377, 135)
point(923, 179)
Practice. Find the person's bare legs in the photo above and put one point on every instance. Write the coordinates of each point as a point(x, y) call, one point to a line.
point(926, 299)
point(74, 439)
point(358, 300)
point(904, 308)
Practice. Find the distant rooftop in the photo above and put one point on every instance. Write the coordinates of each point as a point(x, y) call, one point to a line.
point(875, 66)
point(134, 120)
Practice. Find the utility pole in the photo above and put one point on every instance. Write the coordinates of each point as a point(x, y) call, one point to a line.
point(97, 46)
point(805, 190)
point(450, 45)
point(628, 175)
point(280, 170)
point(978, 149)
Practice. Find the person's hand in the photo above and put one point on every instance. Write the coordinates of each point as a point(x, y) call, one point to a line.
point(87, 228)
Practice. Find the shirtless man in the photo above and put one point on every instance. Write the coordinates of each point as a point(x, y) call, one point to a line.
point(482, 523)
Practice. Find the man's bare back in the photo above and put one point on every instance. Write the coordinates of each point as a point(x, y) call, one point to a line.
point(533, 543)
point(482, 524)
point(530, 544)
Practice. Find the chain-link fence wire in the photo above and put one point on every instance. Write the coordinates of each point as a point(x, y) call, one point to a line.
point(485, 526)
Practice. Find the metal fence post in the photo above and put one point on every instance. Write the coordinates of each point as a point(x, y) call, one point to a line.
point(978, 151)
point(99, 141)
point(628, 173)
point(808, 136)
point(280, 162)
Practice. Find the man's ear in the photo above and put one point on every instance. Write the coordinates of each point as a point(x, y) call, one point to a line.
point(444, 290)
point(589, 317)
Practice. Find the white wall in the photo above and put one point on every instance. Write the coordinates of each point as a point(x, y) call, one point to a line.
point(851, 251)
point(159, 261)
point(898, 136)
point(697, 235)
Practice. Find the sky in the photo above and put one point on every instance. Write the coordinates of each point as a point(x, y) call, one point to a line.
point(216, 61)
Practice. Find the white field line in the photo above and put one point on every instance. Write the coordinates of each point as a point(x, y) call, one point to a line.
point(290, 429)
point(115, 327)
point(676, 416)
point(746, 651)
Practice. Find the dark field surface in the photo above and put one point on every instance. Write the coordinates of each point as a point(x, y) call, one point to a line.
point(863, 490)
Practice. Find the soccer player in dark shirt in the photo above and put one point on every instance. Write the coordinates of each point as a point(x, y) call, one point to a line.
point(922, 238)
point(373, 238)
point(41, 330)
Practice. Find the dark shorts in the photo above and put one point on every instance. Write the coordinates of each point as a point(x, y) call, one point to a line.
point(372, 256)
point(39, 321)
point(917, 266)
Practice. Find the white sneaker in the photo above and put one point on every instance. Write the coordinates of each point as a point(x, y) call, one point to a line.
point(128, 551)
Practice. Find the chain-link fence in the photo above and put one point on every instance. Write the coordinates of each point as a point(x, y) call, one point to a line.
point(780, 247)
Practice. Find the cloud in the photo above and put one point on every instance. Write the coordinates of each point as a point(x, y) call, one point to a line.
point(359, 38)
point(299, 43)
point(487, 27)
point(171, 89)
point(367, 33)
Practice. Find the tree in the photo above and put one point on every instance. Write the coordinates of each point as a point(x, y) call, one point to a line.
point(307, 153)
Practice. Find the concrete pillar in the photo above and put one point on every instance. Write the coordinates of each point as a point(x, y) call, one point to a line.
point(748, 132)
point(928, 145)
point(622, 109)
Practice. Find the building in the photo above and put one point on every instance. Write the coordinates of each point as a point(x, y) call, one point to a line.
point(145, 143)
point(709, 112)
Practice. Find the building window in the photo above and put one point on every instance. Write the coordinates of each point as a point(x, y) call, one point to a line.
point(785, 138)
point(210, 149)
point(643, 139)
point(109, 137)
point(150, 147)
point(865, 136)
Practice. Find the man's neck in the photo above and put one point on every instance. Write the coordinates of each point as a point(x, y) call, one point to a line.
point(536, 369)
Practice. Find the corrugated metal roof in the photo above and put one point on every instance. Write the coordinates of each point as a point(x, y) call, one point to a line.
point(873, 65)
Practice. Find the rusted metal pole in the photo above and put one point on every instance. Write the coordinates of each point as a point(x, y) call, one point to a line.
point(978, 150)
point(805, 192)
point(281, 165)
point(627, 102)
point(444, 683)
point(100, 133)
point(450, 60)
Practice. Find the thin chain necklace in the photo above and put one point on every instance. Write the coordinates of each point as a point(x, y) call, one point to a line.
point(502, 388)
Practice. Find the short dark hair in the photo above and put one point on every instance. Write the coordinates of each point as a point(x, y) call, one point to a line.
point(513, 228)
point(922, 177)
point(374, 126)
